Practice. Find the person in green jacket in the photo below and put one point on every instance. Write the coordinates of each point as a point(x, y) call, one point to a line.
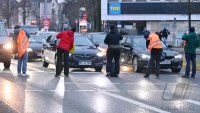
point(192, 42)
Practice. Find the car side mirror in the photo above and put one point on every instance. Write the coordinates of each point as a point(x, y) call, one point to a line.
point(53, 43)
point(169, 46)
point(96, 44)
point(127, 45)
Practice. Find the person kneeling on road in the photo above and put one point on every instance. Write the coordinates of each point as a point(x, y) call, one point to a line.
point(65, 45)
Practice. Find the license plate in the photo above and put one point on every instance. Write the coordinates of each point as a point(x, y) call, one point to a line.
point(85, 63)
point(166, 62)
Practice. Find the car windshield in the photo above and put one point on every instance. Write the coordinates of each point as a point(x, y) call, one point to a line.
point(98, 38)
point(141, 42)
point(2, 30)
point(82, 41)
point(45, 34)
point(31, 30)
point(35, 39)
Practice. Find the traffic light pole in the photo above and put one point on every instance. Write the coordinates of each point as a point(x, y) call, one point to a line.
point(189, 15)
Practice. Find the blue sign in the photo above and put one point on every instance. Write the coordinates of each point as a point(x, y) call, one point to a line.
point(114, 8)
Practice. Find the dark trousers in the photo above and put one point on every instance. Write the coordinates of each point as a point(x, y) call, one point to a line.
point(190, 57)
point(154, 60)
point(62, 56)
point(113, 53)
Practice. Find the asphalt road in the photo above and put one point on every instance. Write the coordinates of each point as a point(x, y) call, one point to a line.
point(87, 91)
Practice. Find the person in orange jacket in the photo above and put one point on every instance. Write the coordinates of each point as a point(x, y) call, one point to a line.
point(155, 48)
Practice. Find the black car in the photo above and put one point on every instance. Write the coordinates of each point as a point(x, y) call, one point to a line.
point(134, 53)
point(98, 38)
point(5, 46)
point(86, 54)
point(35, 48)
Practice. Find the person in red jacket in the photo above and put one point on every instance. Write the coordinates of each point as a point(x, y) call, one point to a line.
point(64, 46)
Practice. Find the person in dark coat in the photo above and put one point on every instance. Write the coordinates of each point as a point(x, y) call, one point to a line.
point(113, 52)
point(192, 42)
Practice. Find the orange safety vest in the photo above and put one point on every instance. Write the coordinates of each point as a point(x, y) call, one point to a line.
point(23, 42)
point(154, 42)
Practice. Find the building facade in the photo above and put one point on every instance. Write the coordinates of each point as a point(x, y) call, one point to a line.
point(136, 15)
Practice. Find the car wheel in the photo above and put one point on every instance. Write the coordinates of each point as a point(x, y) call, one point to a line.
point(98, 69)
point(45, 63)
point(29, 59)
point(15, 56)
point(7, 63)
point(176, 70)
point(135, 65)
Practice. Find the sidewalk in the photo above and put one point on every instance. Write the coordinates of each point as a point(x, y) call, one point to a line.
point(181, 50)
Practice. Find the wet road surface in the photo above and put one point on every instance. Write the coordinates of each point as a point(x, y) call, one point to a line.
point(87, 91)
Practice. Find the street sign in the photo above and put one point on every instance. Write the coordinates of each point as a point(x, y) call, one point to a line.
point(46, 23)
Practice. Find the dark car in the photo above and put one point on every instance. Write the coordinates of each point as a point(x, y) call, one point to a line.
point(5, 46)
point(86, 54)
point(134, 53)
point(31, 29)
point(35, 48)
point(98, 39)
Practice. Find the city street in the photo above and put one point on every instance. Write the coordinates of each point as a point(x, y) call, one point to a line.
point(87, 91)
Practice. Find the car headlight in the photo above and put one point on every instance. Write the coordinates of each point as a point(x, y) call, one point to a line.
point(70, 54)
point(7, 46)
point(178, 57)
point(143, 56)
point(100, 54)
point(29, 49)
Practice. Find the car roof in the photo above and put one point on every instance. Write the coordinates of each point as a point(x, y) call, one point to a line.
point(94, 33)
point(46, 32)
point(135, 36)
point(29, 26)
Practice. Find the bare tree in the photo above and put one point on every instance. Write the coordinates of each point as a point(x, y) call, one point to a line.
point(8, 9)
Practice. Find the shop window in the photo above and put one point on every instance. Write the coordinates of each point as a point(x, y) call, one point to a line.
point(127, 0)
point(113, 0)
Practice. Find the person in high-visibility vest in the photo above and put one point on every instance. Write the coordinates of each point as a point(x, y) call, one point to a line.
point(22, 40)
point(191, 42)
point(155, 48)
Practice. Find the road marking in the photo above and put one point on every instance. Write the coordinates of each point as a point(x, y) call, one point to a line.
point(34, 90)
point(135, 102)
point(193, 102)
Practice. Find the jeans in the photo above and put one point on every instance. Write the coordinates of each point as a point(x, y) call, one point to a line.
point(59, 65)
point(190, 57)
point(22, 63)
point(154, 60)
point(113, 53)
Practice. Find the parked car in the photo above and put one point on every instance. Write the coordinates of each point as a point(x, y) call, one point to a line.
point(5, 46)
point(35, 48)
point(134, 53)
point(31, 29)
point(86, 54)
point(10, 32)
point(98, 39)
point(45, 34)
